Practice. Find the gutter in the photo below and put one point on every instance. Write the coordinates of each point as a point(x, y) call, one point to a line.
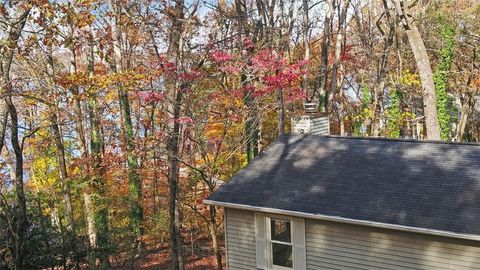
point(471, 237)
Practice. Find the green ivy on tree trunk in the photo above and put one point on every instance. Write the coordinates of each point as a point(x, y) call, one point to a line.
point(445, 104)
point(394, 118)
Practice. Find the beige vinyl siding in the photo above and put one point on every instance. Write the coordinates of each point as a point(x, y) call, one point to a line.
point(240, 238)
point(311, 124)
point(332, 245)
point(320, 126)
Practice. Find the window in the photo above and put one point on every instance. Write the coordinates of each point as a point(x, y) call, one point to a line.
point(281, 243)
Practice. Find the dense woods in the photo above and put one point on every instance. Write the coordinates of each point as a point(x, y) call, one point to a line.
point(118, 117)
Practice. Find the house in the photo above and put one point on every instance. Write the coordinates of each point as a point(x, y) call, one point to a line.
point(326, 202)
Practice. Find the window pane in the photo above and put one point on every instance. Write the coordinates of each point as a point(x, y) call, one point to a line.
point(282, 255)
point(280, 230)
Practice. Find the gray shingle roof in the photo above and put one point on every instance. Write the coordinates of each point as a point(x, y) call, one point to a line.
point(428, 185)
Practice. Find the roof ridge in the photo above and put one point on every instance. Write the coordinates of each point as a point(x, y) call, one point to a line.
point(387, 139)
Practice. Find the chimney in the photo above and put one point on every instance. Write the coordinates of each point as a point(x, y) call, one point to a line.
point(311, 122)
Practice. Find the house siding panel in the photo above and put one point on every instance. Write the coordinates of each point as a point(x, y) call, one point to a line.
point(320, 126)
point(332, 245)
point(311, 124)
point(240, 237)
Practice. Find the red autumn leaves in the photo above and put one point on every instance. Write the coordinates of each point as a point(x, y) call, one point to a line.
point(267, 71)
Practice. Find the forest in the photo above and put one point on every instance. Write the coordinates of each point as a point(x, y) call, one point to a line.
point(118, 117)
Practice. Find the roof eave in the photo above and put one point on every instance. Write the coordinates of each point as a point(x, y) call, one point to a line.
point(472, 237)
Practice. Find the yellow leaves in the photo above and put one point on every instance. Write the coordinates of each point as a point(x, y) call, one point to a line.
point(74, 79)
point(83, 19)
point(214, 130)
point(410, 79)
point(43, 169)
point(44, 173)
point(366, 113)
point(475, 83)
point(102, 80)
point(408, 115)
point(129, 78)
point(76, 170)
point(111, 96)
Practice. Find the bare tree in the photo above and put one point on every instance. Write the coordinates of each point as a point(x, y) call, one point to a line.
point(322, 91)
point(339, 44)
point(306, 42)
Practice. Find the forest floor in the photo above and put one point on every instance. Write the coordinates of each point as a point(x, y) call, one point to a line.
point(198, 258)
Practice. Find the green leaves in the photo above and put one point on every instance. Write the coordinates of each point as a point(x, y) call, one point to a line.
point(445, 103)
point(394, 115)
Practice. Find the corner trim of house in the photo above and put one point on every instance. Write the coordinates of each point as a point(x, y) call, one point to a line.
point(471, 237)
point(226, 239)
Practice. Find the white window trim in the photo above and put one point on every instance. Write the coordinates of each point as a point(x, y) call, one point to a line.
point(263, 241)
point(268, 232)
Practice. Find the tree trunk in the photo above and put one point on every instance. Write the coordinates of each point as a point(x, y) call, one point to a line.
point(251, 126)
point(467, 105)
point(62, 167)
point(14, 31)
point(377, 106)
point(323, 76)
point(90, 219)
point(337, 65)
point(21, 213)
point(338, 45)
point(382, 66)
point(426, 76)
point(98, 186)
point(87, 198)
point(50, 75)
point(280, 113)
point(462, 123)
point(82, 146)
point(134, 180)
point(424, 69)
point(97, 183)
point(173, 187)
point(212, 226)
point(251, 123)
point(3, 123)
point(467, 99)
point(306, 44)
point(175, 53)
